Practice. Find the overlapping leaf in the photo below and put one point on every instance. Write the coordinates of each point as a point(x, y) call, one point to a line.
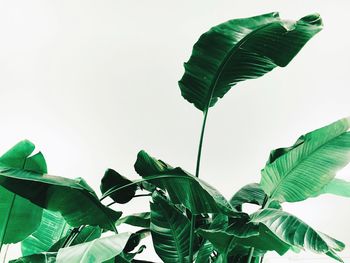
point(98, 250)
point(72, 198)
point(336, 187)
point(113, 179)
point(53, 227)
point(295, 232)
point(19, 217)
point(170, 231)
point(44, 257)
point(183, 188)
point(242, 49)
point(305, 168)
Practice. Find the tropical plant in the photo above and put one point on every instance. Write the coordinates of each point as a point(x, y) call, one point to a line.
point(63, 220)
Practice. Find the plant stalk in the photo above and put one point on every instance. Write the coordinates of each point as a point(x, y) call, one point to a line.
point(192, 225)
point(250, 257)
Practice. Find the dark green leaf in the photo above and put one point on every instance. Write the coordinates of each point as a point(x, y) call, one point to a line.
point(77, 204)
point(241, 232)
point(52, 228)
point(112, 179)
point(19, 217)
point(242, 49)
point(295, 232)
point(37, 258)
point(170, 231)
point(98, 250)
point(183, 188)
point(307, 167)
point(251, 193)
point(135, 239)
point(139, 220)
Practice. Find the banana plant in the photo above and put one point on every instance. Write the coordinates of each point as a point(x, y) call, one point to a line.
point(188, 219)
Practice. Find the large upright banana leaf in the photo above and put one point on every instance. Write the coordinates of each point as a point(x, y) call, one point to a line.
point(170, 231)
point(295, 232)
point(183, 188)
point(52, 228)
point(304, 169)
point(19, 217)
point(77, 203)
point(242, 49)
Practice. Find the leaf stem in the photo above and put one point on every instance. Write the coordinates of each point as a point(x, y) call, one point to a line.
point(192, 225)
point(250, 257)
point(140, 195)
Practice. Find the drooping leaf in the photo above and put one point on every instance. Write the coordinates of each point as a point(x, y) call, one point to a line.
point(98, 250)
point(170, 231)
point(308, 167)
point(251, 193)
point(336, 187)
point(77, 204)
point(135, 239)
point(139, 220)
point(88, 233)
point(243, 233)
point(295, 232)
point(44, 257)
point(183, 188)
point(52, 228)
point(19, 217)
point(113, 179)
point(242, 49)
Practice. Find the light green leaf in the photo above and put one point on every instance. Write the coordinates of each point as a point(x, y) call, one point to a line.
point(170, 231)
point(336, 187)
point(183, 188)
point(139, 220)
point(98, 250)
point(19, 217)
point(242, 49)
point(304, 169)
point(72, 198)
point(52, 228)
point(295, 232)
point(88, 233)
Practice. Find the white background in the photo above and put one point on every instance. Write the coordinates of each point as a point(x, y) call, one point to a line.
point(93, 82)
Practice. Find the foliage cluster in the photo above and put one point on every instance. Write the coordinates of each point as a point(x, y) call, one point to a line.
point(63, 220)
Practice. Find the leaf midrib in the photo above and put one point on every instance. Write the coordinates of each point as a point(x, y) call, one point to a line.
point(227, 58)
point(299, 163)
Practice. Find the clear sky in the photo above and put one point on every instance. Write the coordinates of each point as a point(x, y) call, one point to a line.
point(93, 82)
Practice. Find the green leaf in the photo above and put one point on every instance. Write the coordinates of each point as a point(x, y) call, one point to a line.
point(98, 250)
point(295, 232)
point(19, 217)
point(240, 233)
point(242, 49)
point(170, 231)
point(37, 258)
point(88, 233)
point(204, 252)
point(251, 193)
point(112, 179)
point(52, 228)
point(72, 198)
point(183, 188)
point(135, 239)
point(336, 187)
point(308, 166)
point(139, 220)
